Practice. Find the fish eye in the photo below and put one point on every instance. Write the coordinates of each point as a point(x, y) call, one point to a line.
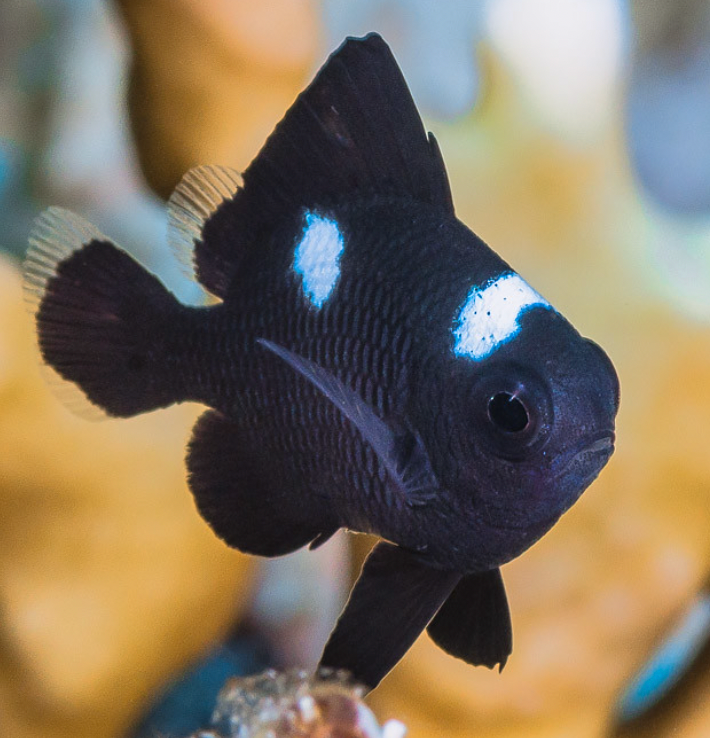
point(508, 413)
point(512, 411)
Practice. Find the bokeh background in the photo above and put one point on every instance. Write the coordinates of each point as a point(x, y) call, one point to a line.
point(577, 138)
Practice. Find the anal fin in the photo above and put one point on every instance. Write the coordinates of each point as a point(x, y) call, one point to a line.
point(474, 622)
point(238, 496)
point(391, 603)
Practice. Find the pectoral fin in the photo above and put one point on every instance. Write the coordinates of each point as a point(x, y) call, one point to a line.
point(390, 605)
point(402, 453)
point(474, 622)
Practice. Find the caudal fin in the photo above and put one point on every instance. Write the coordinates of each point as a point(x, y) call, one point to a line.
point(99, 314)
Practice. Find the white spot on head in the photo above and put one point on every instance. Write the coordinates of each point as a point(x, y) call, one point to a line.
point(491, 314)
point(317, 257)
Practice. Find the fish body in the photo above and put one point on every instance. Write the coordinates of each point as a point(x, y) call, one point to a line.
point(371, 365)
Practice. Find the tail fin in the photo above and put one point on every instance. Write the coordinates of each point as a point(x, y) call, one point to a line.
point(100, 315)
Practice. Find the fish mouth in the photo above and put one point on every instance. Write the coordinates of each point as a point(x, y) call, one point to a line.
point(576, 469)
point(600, 443)
point(571, 473)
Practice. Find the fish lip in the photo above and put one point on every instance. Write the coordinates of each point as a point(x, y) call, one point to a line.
point(600, 442)
point(594, 442)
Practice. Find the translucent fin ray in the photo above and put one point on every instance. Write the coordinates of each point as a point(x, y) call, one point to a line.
point(56, 234)
point(198, 196)
point(99, 315)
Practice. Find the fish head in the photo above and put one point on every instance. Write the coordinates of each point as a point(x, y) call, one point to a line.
point(522, 432)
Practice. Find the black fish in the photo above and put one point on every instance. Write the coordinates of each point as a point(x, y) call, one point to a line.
point(371, 364)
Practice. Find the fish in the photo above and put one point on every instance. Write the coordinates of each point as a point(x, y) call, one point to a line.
point(368, 363)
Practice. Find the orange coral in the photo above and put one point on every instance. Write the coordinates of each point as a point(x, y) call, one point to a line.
point(109, 581)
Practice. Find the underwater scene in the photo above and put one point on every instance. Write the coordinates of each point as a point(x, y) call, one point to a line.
point(359, 477)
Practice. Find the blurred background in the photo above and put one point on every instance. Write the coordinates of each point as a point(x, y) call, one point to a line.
point(577, 139)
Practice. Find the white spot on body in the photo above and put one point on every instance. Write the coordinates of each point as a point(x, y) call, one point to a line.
point(317, 257)
point(491, 314)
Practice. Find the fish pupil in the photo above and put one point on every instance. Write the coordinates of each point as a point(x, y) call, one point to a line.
point(508, 413)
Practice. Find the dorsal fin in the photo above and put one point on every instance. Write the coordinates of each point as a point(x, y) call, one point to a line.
point(354, 131)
